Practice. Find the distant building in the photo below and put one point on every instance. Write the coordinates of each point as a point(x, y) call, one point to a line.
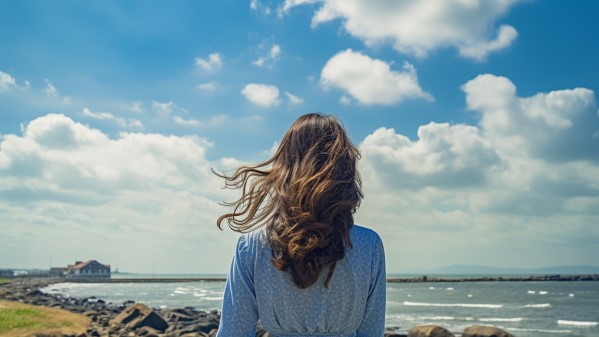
point(7, 273)
point(58, 272)
point(89, 269)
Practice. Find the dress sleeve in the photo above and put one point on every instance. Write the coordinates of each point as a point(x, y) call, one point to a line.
point(239, 315)
point(373, 323)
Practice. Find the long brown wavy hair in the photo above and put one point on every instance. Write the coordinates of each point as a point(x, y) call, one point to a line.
point(305, 194)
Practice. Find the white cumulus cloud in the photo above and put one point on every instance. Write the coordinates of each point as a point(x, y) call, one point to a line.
point(62, 180)
point(120, 121)
point(188, 122)
point(212, 63)
point(209, 86)
point(294, 99)
point(6, 81)
point(268, 60)
point(558, 125)
point(261, 94)
point(167, 108)
point(371, 81)
point(419, 26)
point(522, 184)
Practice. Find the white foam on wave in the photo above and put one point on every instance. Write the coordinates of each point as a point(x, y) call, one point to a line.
point(450, 289)
point(571, 295)
point(541, 305)
point(577, 323)
point(498, 319)
point(177, 291)
point(542, 330)
point(199, 294)
point(463, 305)
point(438, 318)
point(469, 295)
point(431, 288)
point(213, 298)
point(542, 292)
point(532, 292)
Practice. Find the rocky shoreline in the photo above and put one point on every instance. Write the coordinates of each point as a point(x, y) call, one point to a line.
point(130, 319)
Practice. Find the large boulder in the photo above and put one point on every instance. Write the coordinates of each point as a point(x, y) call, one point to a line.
point(485, 331)
point(139, 315)
point(429, 331)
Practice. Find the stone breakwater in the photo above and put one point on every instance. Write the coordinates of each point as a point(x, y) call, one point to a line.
point(130, 319)
point(533, 278)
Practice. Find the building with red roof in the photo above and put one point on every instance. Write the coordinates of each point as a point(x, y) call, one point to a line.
point(89, 269)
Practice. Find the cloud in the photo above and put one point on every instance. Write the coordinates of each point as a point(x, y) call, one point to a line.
point(268, 60)
point(137, 107)
point(522, 184)
point(120, 121)
point(345, 100)
point(261, 94)
point(187, 122)
point(294, 99)
point(371, 81)
point(52, 91)
point(209, 86)
point(256, 5)
point(6, 81)
point(212, 63)
point(167, 108)
point(418, 27)
point(443, 156)
point(559, 126)
point(61, 181)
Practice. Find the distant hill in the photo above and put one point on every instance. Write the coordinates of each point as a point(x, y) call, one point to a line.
point(483, 270)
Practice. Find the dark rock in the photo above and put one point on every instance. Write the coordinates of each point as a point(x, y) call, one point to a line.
point(206, 326)
point(429, 331)
point(140, 315)
point(485, 331)
point(146, 331)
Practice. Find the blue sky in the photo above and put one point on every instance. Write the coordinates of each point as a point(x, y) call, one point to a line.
point(477, 121)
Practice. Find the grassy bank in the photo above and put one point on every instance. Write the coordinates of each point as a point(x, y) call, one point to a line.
point(5, 280)
point(17, 319)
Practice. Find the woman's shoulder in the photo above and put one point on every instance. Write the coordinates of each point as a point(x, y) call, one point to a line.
point(361, 233)
point(252, 240)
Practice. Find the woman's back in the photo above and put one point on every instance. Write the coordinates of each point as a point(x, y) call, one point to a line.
point(352, 305)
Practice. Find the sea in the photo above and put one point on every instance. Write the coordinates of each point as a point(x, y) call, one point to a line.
point(525, 309)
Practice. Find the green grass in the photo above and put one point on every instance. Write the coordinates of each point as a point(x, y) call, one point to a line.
point(17, 319)
point(5, 280)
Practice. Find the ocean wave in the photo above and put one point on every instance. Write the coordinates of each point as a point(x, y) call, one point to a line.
point(542, 330)
point(438, 318)
point(577, 323)
point(542, 305)
point(445, 318)
point(464, 305)
point(497, 319)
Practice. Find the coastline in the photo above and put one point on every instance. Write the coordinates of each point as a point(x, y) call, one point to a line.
point(173, 322)
point(531, 278)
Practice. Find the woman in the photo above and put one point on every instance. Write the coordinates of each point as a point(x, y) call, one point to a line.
point(302, 267)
